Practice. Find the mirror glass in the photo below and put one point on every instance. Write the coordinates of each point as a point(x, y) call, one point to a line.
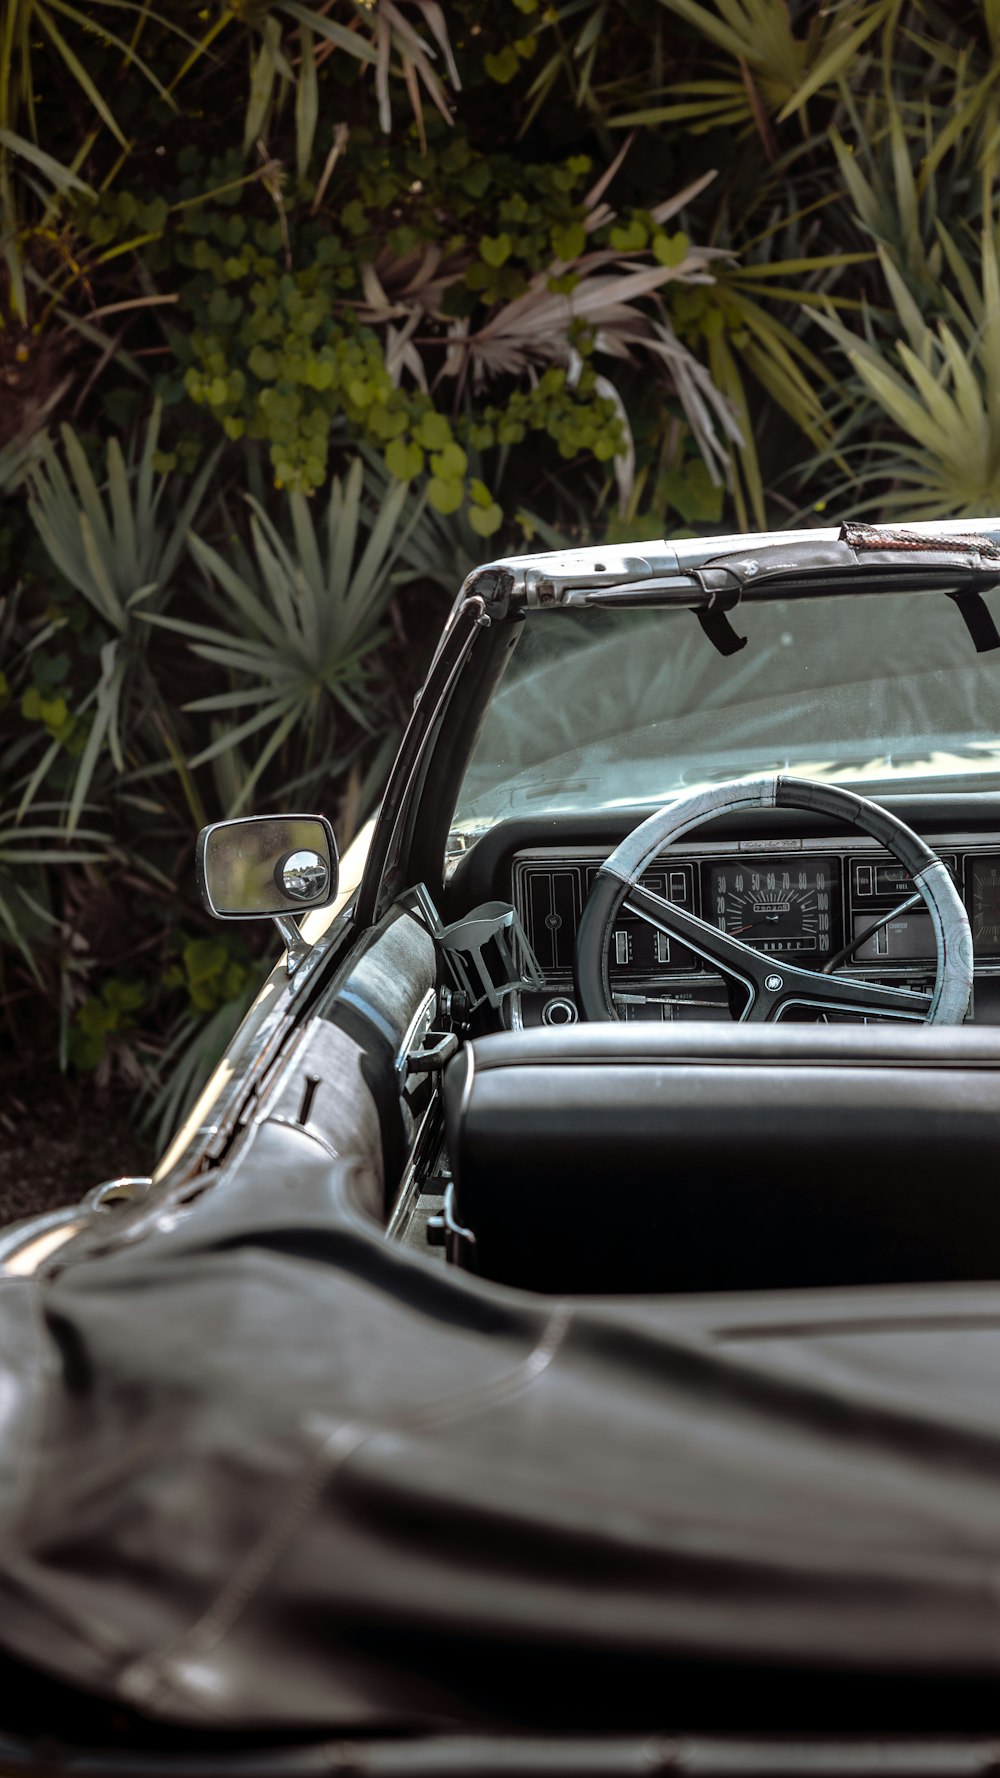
point(303, 875)
point(267, 864)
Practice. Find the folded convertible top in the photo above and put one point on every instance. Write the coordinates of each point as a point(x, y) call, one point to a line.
point(261, 1468)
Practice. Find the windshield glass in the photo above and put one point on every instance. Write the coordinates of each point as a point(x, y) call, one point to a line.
point(604, 709)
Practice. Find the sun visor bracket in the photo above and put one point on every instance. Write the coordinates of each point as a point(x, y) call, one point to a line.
point(722, 599)
point(975, 554)
point(977, 617)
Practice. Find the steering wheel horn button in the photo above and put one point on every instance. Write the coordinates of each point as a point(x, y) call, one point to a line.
point(773, 983)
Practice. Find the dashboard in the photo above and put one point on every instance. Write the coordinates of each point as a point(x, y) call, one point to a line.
point(798, 897)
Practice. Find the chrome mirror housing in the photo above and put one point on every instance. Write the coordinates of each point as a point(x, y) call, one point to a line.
point(268, 867)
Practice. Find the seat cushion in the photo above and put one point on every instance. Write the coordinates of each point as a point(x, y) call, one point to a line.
point(614, 1157)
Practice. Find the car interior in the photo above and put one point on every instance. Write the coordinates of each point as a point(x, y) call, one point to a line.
point(673, 1144)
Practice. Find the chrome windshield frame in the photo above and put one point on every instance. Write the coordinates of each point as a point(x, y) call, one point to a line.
point(697, 573)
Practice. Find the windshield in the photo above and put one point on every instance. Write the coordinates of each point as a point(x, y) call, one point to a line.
point(603, 709)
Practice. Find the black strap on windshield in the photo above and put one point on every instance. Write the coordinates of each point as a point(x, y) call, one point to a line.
point(978, 619)
point(714, 620)
point(883, 540)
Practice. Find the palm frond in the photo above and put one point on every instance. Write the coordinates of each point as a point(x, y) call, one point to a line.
point(118, 543)
point(938, 398)
point(775, 72)
point(302, 613)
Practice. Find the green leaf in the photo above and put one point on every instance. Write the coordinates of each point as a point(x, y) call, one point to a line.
point(836, 61)
point(261, 86)
point(629, 237)
point(433, 431)
point(692, 493)
point(485, 520)
point(451, 462)
point(496, 249)
point(262, 363)
point(352, 41)
point(404, 459)
point(446, 496)
point(80, 74)
point(503, 66)
point(670, 250)
point(568, 240)
point(53, 712)
point(733, 40)
point(58, 175)
point(306, 103)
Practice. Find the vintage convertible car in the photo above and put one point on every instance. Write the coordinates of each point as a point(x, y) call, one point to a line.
point(565, 1338)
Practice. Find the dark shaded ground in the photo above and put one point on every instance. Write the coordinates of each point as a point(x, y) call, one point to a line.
point(57, 1143)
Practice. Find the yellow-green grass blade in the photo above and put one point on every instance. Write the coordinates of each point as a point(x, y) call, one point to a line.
point(833, 64)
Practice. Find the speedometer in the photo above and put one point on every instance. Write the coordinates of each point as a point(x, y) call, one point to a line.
point(775, 904)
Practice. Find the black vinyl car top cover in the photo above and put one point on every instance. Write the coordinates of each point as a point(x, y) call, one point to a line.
point(260, 1467)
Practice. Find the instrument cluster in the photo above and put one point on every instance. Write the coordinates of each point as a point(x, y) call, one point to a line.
point(801, 899)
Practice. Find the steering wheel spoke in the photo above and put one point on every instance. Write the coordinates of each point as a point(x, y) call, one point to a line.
point(786, 986)
point(729, 954)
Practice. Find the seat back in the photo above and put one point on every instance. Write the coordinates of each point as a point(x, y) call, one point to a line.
point(615, 1157)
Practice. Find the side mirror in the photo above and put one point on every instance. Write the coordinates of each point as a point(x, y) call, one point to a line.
point(268, 866)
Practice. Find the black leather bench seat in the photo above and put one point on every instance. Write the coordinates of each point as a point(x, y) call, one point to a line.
point(614, 1157)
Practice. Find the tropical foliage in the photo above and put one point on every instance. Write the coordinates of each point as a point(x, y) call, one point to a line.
point(306, 305)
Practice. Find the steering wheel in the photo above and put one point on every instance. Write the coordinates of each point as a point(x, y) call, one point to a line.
point(771, 986)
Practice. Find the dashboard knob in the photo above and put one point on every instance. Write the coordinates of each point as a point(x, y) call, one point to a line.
point(559, 1012)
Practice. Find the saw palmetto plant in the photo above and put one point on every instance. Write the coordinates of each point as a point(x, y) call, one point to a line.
point(898, 193)
point(118, 543)
point(298, 616)
point(773, 59)
point(26, 848)
point(937, 392)
point(961, 70)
